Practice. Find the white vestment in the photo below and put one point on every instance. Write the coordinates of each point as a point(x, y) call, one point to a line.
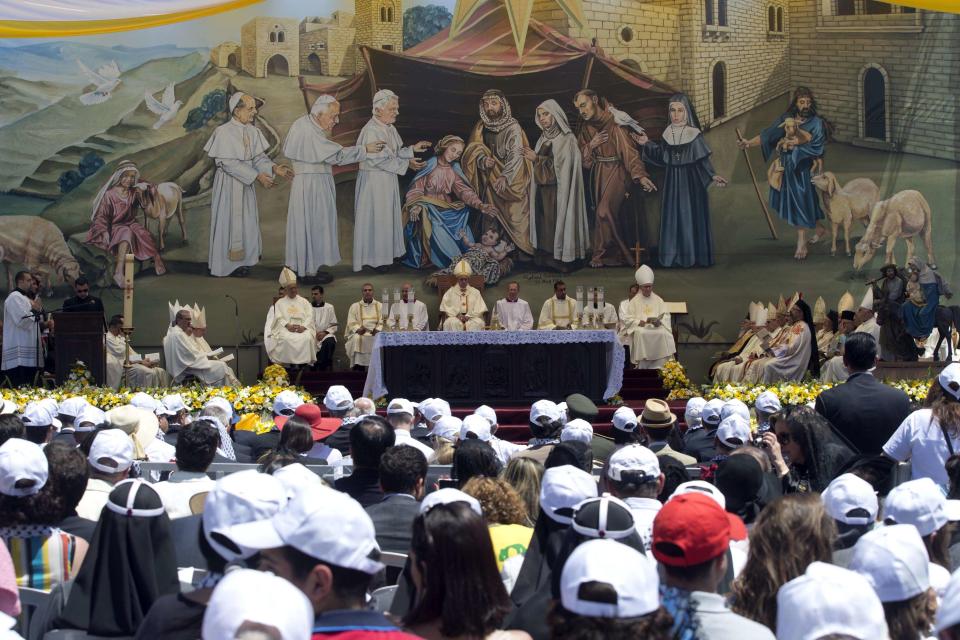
point(201, 344)
point(403, 310)
point(621, 327)
point(369, 316)
point(312, 238)
point(183, 359)
point(377, 232)
point(559, 314)
point(650, 346)
point(833, 370)
point(288, 347)
point(19, 332)
point(138, 376)
point(468, 302)
point(606, 318)
point(571, 234)
point(753, 370)
point(792, 358)
point(240, 153)
point(325, 322)
point(514, 316)
point(731, 370)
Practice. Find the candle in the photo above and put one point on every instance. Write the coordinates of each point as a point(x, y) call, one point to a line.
point(410, 297)
point(600, 297)
point(128, 291)
point(580, 293)
point(385, 298)
point(396, 295)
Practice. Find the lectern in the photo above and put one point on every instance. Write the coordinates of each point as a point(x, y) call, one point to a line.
point(79, 336)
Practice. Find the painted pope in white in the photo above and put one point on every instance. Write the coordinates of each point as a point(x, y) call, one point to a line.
point(239, 150)
point(648, 325)
point(378, 233)
point(463, 304)
point(289, 334)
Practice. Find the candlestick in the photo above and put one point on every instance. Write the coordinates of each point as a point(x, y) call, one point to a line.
point(411, 298)
point(128, 291)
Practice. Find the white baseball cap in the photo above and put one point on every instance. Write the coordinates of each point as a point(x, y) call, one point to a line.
point(22, 461)
point(488, 413)
point(7, 407)
point(636, 458)
point(145, 401)
point(401, 405)
point(90, 416)
point(346, 540)
point(447, 427)
point(40, 414)
point(948, 615)
point(829, 600)
point(448, 495)
point(846, 493)
point(626, 570)
point(734, 431)
point(894, 560)
point(248, 596)
point(624, 419)
point(710, 413)
point(221, 403)
point(920, 503)
point(767, 402)
point(949, 379)
point(477, 425)
point(173, 404)
point(735, 407)
point(577, 430)
point(71, 407)
point(563, 488)
point(702, 487)
point(562, 408)
point(338, 398)
point(544, 408)
point(236, 498)
point(286, 403)
point(691, 413)
point(113, 445)
point(434, 408)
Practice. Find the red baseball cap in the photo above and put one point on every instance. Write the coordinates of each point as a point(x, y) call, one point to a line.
point(690, 529)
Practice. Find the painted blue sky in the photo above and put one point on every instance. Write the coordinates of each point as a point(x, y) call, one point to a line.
point(208, 32)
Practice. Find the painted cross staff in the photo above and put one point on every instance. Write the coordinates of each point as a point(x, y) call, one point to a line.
point(756, 187)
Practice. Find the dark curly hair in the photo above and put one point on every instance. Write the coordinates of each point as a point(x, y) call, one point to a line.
point(69, 473)
point(43, 508)
point(565, 625)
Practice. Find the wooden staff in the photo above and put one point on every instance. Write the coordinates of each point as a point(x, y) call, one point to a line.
point(756, 187)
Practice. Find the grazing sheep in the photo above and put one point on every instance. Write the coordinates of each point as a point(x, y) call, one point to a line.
point(854, 201)
point(38, 245)
point(905, 215)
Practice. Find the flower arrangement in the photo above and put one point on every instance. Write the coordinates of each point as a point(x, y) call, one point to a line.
point(616, 400)
point(79, 376)
point(276, 375)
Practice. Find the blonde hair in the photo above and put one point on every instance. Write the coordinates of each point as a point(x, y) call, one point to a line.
point(444, 450)
point(524, 475)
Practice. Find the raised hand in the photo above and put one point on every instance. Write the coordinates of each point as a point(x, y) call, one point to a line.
point(422, 146)
point(489, 210)
point(374, 147)
point(488, 162)
point(529, 154)
point(639, 138)
point(599, 139)
point(416, 165)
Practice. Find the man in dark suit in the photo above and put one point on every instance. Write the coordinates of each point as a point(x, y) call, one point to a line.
point(863, 409)
point(369, 439)
point(403, 471)
point(82, 300)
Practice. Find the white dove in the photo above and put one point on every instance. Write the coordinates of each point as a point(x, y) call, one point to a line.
point(166, 108)
point(105, 79)
point(624, 120)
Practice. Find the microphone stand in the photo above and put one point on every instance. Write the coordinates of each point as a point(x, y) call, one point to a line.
point(236, 318)
point(37, 319)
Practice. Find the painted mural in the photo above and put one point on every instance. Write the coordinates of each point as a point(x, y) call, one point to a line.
point(744, 149)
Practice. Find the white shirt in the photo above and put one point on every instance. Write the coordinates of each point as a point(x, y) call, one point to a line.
point(321, 451)
point(514, 316)
point(403, 437)
point(176, 492)
point(644, 511)
point(920, 439)
point(94, 499)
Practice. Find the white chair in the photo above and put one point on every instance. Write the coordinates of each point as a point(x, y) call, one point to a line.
point(391, 559)
point(382, 598)
point(30, 601)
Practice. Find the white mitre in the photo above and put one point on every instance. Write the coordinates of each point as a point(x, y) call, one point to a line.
point(644, 275)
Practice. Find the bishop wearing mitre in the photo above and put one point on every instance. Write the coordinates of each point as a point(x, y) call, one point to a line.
point(463, 305)
point(289, 335)
point(648, 324)
point(184, 359)
point(142, 373)
point(364, 322)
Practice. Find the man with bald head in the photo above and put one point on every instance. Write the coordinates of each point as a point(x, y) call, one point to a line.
point(513, 314)
point(239, 150)
point(364, 321)
point(408, 314)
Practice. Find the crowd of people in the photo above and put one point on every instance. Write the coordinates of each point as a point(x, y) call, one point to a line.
point(730, 521)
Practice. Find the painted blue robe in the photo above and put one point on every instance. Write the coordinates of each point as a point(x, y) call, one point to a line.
point(796, 201)
point(685, 236)
point(437, 233)
point(920, 321)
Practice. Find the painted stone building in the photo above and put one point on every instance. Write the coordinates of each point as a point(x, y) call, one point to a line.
point(270, 46)
point(226, 55)
point(379, 24)
point(328, 46)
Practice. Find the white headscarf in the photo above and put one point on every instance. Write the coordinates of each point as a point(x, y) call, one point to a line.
point(114, 180)
point(559, 117)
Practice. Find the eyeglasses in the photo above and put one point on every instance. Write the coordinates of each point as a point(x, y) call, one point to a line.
point(784, 438)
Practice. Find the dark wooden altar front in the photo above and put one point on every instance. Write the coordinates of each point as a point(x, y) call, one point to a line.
point(499, 374)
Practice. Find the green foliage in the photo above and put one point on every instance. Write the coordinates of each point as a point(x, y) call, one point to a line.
point(90, 164)
point(195, 119)
point(69, 180)
point(212, 105)
point(697, 328)
point(421, 22)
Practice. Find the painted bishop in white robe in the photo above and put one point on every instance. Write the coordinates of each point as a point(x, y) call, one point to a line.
point(364, 321)
point(183, 359)
point(141, 374)
point(312, 236)
point(289, 333)
point(377, 232)
point(513, 313)
point(239, 150)
point(463, 304)
point(648, 323)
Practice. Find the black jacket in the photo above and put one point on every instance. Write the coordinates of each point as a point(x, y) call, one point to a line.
point(393, 520)
point(363, 485)
point(865, 411)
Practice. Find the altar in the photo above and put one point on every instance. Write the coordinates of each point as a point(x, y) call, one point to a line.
point(495, 367)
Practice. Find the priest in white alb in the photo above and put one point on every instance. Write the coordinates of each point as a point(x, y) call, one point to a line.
point(312, 237)
point(512, 313)
point(239, 151)
point(325, 323)
point(622, 313)
point(364, 321)
point(142, 373)
point(289, 335)
point(560, 311)
point(463, 305)
point(401, 312)
point(183, 359)
point(648, 324)
point(377, 230)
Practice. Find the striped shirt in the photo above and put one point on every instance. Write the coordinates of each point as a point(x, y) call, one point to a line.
point(42, 555)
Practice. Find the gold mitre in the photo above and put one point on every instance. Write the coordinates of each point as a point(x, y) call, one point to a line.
point(287, 277)
point(793, 301)
point(463, 270)
point(846, 303)
point(819, 310)
point(771, 311)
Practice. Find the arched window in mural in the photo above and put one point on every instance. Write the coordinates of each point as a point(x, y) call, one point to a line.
point(719, 90)
point(874, 104)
